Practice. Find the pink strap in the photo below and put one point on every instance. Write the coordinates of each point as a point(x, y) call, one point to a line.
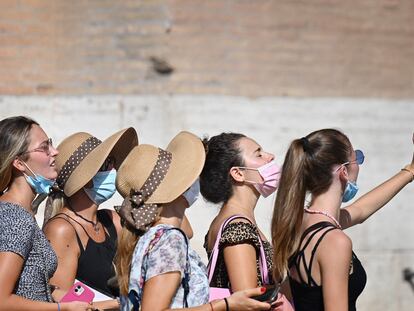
point(214, 254)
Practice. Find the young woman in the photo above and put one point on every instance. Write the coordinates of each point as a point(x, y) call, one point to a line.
point(84, 237)
point(236, 173)
point(27, 261)
point(324, 272)
point(157, 268)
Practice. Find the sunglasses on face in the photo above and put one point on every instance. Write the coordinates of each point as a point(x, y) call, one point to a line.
point(359, 158)
point(44, 147)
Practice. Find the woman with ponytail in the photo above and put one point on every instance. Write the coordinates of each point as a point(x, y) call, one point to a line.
point(324, 273)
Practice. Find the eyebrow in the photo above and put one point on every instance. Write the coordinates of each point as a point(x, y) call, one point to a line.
point(258, 150)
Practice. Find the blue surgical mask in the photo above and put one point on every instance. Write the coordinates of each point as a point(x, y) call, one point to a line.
point(192, 193)
point(40, 184)
point(103, 187)
point(350, 191)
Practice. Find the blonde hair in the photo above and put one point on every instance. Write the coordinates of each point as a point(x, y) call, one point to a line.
point(127, 241)
point(307, 168)
point(14, 133)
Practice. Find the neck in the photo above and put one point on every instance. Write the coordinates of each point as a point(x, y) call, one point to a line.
point(81, 204)
point(20, 193)
point(173, 213)
point(243, 201)
point(329, 202)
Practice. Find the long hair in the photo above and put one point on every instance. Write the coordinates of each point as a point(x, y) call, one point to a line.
point(15, 140)
point(127, 242)
point(307, 168)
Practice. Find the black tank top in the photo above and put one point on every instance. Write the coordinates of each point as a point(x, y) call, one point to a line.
point(307, 294)
point(95, 263)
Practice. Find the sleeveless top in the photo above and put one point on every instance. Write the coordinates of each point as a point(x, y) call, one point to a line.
point(307, 294)
point(20, 234)
point(233, 234)
point(95, 263)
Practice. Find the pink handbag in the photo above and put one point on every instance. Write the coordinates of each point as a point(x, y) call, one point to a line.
point(220, 293)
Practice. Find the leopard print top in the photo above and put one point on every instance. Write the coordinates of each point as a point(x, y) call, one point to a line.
point(233, 234)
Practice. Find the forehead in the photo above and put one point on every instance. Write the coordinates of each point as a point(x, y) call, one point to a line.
point(36, 135)
point(248, 145)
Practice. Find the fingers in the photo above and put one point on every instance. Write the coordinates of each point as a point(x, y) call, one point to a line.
point(254, 291)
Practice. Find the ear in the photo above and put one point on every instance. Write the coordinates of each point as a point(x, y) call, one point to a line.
point(237, 174)
point(343, 174)
point(19, 165)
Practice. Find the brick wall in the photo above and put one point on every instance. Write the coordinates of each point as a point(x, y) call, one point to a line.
point(356, 48)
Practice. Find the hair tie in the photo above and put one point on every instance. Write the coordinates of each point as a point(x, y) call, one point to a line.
point(305, 144)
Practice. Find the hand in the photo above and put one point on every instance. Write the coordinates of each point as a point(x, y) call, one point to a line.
point(75, 306)
point(281, 304)
point(240, 300)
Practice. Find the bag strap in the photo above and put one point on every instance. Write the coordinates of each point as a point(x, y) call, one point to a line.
point(264, 272)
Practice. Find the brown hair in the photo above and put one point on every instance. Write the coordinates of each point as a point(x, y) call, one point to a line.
point(307, 168)
point(14, 133)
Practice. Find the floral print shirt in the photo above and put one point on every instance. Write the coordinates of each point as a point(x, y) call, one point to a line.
point(162, 250)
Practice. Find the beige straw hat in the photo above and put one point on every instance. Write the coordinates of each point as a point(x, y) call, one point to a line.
point(187, 161)
point(81, 155)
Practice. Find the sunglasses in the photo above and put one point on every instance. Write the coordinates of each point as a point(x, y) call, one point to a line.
point(44, 147)
point(359, 158)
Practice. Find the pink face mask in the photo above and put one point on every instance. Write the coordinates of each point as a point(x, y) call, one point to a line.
point(270, 172)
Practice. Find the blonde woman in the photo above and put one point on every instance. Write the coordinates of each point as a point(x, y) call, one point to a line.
point(27, 261)
point(158, 270)
point(309, 241)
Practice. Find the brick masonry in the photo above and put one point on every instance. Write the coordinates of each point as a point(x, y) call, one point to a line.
point(249, 48)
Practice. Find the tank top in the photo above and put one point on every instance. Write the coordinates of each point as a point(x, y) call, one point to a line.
point(307, 294)
point(95, 263)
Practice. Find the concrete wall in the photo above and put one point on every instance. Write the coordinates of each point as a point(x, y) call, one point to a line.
point(382, 128)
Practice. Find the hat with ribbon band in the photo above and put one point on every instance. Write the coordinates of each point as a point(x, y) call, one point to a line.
point(81, 155)
point(151, 176)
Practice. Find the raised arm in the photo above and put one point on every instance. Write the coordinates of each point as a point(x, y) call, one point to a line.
point(375, 199)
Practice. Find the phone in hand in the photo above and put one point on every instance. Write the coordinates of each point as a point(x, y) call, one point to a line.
point(79, 292)
point(270, 295)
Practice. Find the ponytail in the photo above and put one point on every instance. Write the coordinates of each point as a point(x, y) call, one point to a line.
point(288, 208)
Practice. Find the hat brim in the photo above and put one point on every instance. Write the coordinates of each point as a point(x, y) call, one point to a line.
point(186, 164)
point(117, 145)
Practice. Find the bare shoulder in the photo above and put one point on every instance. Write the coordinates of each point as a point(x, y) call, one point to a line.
point(59, 228)
point(335, 245)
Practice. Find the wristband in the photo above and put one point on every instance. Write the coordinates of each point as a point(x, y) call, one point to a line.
point(409, 171)
point(58, 306)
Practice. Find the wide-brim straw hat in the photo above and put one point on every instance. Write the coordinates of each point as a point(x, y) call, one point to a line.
point(187, 162)
point(117, 146)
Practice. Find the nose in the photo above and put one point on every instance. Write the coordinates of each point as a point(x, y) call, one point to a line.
point(270, 156)
point(53, 151)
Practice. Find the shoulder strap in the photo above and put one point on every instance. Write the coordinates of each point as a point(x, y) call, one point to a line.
point(76, 232)
point(215, 252)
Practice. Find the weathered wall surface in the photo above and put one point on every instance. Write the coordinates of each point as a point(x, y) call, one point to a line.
point(382, 128)
point(250, 48)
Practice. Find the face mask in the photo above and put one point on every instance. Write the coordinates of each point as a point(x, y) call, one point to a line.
point(39, 184)
point(191, 195)
point(103, 187)
point(350, 191)
point(270, 173)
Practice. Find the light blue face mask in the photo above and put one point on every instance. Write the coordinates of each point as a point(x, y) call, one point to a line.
point(103, 187)
point(39, 184)
point(350, 191)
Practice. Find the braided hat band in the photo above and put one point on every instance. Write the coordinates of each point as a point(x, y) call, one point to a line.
point(134, 211)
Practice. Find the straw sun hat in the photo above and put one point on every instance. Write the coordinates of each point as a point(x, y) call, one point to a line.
point(187, 161)
point(81, 155)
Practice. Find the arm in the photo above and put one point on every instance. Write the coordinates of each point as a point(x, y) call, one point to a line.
point(62, 237)
point(334, 258)
point(11, 266)
point(168, 283)
point(372, 201)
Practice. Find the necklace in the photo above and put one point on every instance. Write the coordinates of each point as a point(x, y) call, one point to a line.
point(311, 211)
point(94, 224)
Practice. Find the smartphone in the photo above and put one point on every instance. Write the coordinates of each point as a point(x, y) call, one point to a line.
point(270, 295)
point(79, 292)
